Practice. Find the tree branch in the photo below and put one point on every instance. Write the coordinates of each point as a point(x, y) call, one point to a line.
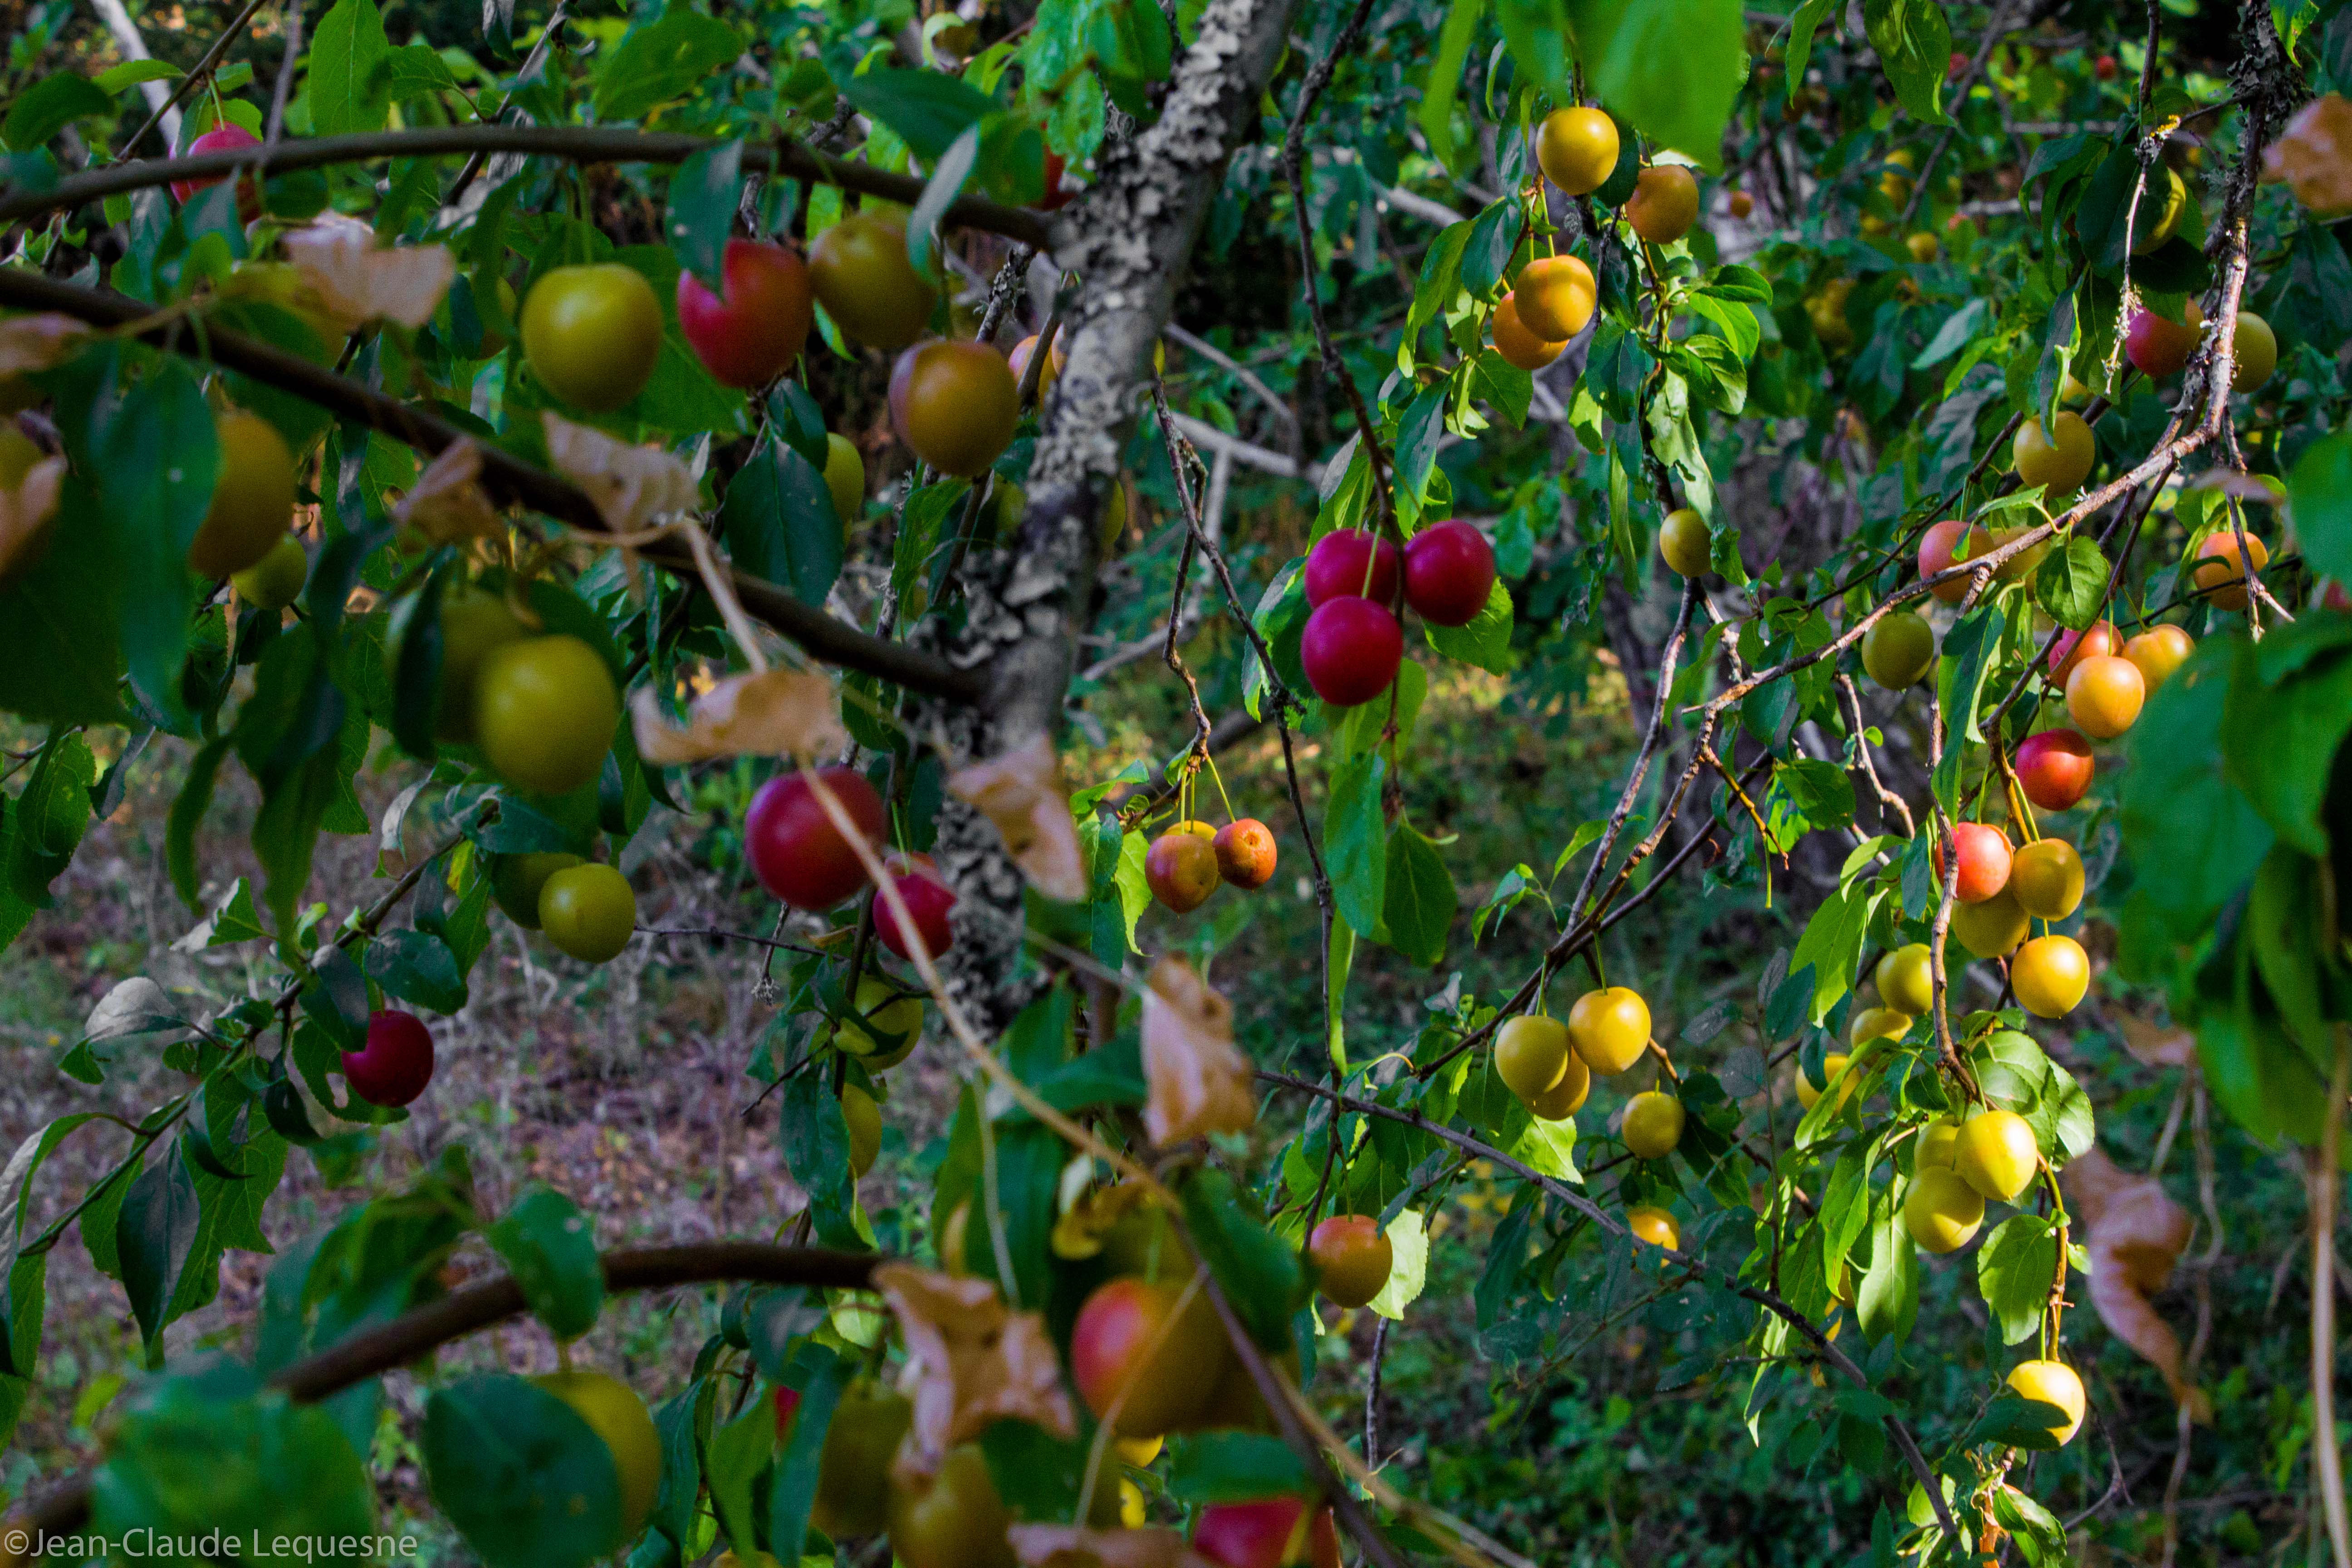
point(473, 1308)
point(577, 143)
point(505, 477)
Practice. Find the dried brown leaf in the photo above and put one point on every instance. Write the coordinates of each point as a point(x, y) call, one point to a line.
point(39, 342)
point(25, 511)
point(2133, 1233)
point(1076, 1546)
point(1022, 793)
point(2158, 1044)
point(2313, 155)
point(447, 504)
point(970, 1361)
point(632, 486)
point(359, 281)
point(775, 713)
point(1199, 1083)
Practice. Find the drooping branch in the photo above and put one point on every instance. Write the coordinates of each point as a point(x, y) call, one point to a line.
point(507, 478)
point(575, 144)
point(388, 1346)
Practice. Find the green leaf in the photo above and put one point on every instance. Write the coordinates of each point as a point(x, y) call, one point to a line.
point(1419, 900)
point(153, 1234)
point(703, 196)
point(665, 60)
point(948, 179)
point(525, 1479)
point(48, 106)
point(732, 1461)
point(346, 95)
point(1234, 1466)
point(412, 71)
point(1445, 79)
point(794, 1488)
point(2279, 741)
point(1831, 944)
point(1485, 641)
point(157, 458)
point(2179, 808)
point(193, 1454)
point(1798, 53)
point(1969, 651)
point(1914, 47)
point(130, 73)
point(1548, 1148)
point(2319, 489)
point(1355, 840)
point(1672, 68)
point(928, 110)
point(1408, 1236)
point(1889, 1302)
point(2072, 583)
point(816, 1141)
point(1260, 1274)
point(2014, 1268)
point(550, 1247)
point(417, 966)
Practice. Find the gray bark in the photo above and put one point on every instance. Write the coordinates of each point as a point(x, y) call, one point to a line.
point(1133, 234)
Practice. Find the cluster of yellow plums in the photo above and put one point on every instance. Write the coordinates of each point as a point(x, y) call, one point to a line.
point(1550, 1065)
point(1553, 297)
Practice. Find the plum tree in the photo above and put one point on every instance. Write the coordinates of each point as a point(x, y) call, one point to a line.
point(597, 566)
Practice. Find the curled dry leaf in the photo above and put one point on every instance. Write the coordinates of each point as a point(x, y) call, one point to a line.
point(1022, 793)
point(2133, 1233)
point(38, 342)
point(774, 713)
point(632, 486)
point(2313, 155)
point(970, 1361)
point(1075, 1546)
point(359, 281)
point(448, 505)
point(1198, 1082)
point(2158, 1044)
point(26, 511)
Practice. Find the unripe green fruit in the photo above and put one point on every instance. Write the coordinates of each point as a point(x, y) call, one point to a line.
point(1898, 650)
point(1531, 1055)
point(863, 1119)
point(592, 334)
point(253, 498)
point(473, 622)
point(544, 708)
point(615, 1414)
point(1907, 981)
point(853, 1471)
point(588, 911)
point(1684, 542)
point(516, 881)
point(276, 580)
point(845, 476)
